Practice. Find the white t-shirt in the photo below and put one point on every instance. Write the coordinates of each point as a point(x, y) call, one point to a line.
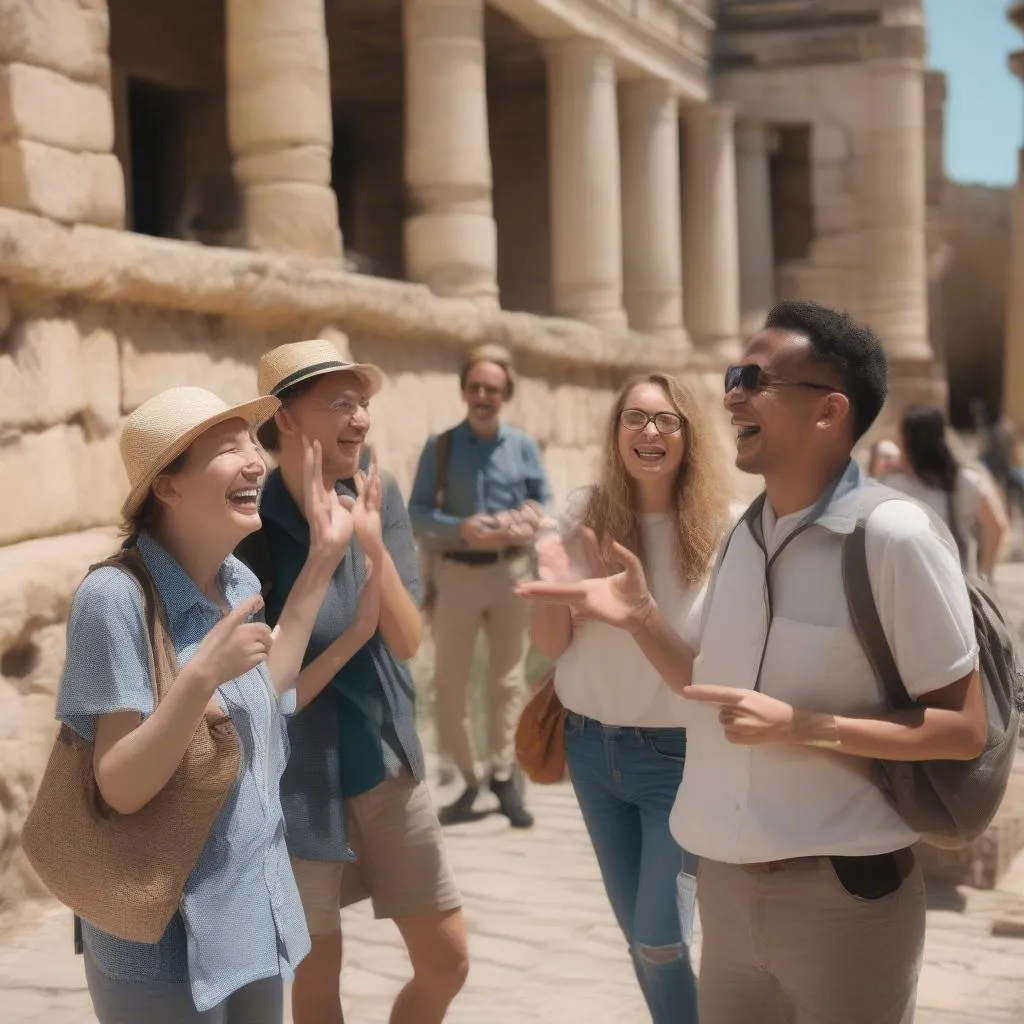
point(969, 494)
point(603, 674)
point(742, 804)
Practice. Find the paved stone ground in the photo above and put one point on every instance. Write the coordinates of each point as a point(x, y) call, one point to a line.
point(543, 942)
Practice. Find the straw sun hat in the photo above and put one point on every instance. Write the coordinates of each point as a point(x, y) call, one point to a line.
point(287, 365)
point(160, 429)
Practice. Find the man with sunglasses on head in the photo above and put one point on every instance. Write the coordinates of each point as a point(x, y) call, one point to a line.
point(812, 905)
point(479, 497)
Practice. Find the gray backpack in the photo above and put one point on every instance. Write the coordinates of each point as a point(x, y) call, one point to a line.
point(950, 803)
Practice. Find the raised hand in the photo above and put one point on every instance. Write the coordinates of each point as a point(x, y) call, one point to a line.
point(366, 519)
point(553, 562)
point(233, 646)
point(330, 521)
point(622, 599)
point(748, 717)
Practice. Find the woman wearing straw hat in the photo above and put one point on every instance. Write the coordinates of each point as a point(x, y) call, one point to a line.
point(196, 472)
point(361, 822)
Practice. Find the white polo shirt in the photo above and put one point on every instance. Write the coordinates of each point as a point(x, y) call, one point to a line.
point(740, 804)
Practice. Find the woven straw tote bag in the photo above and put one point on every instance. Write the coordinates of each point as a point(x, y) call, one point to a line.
point(125, 873)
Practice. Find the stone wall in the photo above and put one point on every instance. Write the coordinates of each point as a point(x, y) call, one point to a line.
point(93, 322)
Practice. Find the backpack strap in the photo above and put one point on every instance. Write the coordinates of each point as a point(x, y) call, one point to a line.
point(861, 602)
point(442, 454)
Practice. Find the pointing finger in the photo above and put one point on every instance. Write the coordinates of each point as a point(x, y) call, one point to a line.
point(241, 612)
point(714, 694)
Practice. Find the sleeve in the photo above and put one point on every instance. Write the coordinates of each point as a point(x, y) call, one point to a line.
point(107, 665)
point(922, 598)
point(398, 538)
point(429, 522)
point(536, 479)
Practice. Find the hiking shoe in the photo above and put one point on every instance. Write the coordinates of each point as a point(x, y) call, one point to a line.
point(461, 810)
point(510, 803)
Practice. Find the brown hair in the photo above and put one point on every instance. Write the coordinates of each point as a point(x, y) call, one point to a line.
point(700, 497)
point(497, 354)
point(148, 513)
point(268, 435)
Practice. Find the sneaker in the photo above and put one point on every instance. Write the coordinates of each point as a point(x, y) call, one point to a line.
point(510, 803)
point(461, 810)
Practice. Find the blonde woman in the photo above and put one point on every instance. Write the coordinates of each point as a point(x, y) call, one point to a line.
point(196, 472)
point(661, 496)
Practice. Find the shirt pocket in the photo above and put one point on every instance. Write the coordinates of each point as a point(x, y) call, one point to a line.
point(820, 668)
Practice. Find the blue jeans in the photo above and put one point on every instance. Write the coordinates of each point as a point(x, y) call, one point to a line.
point(626, 781)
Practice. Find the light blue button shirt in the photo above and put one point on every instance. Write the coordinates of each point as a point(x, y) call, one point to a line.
point(240, 918)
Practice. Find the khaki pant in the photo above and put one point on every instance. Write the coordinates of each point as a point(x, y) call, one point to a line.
point(469, 596)
point(794, 947)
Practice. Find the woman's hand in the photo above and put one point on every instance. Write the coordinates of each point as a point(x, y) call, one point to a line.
point(233, 647)
point(330, 521)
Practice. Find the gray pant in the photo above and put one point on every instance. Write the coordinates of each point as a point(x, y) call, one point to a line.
point(156, 1002)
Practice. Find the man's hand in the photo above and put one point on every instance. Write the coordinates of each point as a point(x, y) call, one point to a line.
point(330, 520)
point(622, 600)
point(748, 717)
point(368, 528)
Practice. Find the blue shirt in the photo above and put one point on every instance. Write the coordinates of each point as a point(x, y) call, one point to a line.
point(484, 475)
point(361, 728)
point(240, 918)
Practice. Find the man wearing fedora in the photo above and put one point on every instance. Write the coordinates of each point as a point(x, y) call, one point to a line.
point(360, 819)
point(479, 497)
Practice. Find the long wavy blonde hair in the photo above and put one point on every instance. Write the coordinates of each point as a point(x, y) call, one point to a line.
point(700, 497)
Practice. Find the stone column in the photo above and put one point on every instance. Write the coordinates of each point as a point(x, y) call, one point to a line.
point(710, 239)
point(56, 116)
point(1013, 346)
point(451, 241)
point(754, 208)
point(586, 201)
point(651, 216)
point(279, 125)
point(890, 180)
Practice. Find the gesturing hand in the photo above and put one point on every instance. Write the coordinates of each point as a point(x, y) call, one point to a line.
point(330, 520)
point(749, 717)
point(233, 646)
point(553, 562)
point(622, 599)
point(369, 529)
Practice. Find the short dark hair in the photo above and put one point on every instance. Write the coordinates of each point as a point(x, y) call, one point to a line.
point(853, 350)
point(268, 434)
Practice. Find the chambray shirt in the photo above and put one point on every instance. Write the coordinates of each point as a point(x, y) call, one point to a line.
point(361, 728)
point(484, 475)
point(240, 918)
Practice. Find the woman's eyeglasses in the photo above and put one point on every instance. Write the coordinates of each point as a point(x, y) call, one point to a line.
point(664, 422)
point(750, 377)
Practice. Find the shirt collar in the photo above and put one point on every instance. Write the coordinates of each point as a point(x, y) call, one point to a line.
point(278, 505)
point(178, 590)
point(467, 431)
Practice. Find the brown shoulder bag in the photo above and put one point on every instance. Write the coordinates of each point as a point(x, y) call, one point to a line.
point(540, 734)
point(125, 873)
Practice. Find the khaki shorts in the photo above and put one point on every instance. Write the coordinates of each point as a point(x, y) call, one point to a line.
point(402, 867)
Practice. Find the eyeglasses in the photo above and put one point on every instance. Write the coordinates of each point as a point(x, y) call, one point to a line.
point(750, 377)
point(664, 422)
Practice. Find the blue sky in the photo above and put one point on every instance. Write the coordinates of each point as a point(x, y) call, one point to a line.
point(970, 41)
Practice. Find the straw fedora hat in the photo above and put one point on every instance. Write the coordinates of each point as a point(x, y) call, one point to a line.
point(160, 429)
point(287, 365)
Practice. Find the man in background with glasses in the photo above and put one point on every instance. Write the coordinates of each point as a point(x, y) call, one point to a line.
point(479, 497)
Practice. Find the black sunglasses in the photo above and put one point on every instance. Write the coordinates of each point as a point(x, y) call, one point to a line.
point(750, 377)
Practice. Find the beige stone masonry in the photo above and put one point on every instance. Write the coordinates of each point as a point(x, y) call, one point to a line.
point(451, 242)
point(1013, 347)
point(113, 266)
point(279, 102)
point(651, 216)
point(586, 197)
point(711, 293)
point(754, 213)
point(46, 106)
point(68, 36)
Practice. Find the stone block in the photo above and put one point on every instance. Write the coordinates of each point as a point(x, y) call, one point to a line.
point(294, 218)
point(311, 164)
point(160, 349)
point(57, 481)
point(6, 311)
point(101, 379)
point(828, 144)
point(69, 187)
point(41, 374)
point(47, 106)
point(64, 35)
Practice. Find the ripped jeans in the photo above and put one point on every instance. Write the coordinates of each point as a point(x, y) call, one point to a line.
point(626, 781)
